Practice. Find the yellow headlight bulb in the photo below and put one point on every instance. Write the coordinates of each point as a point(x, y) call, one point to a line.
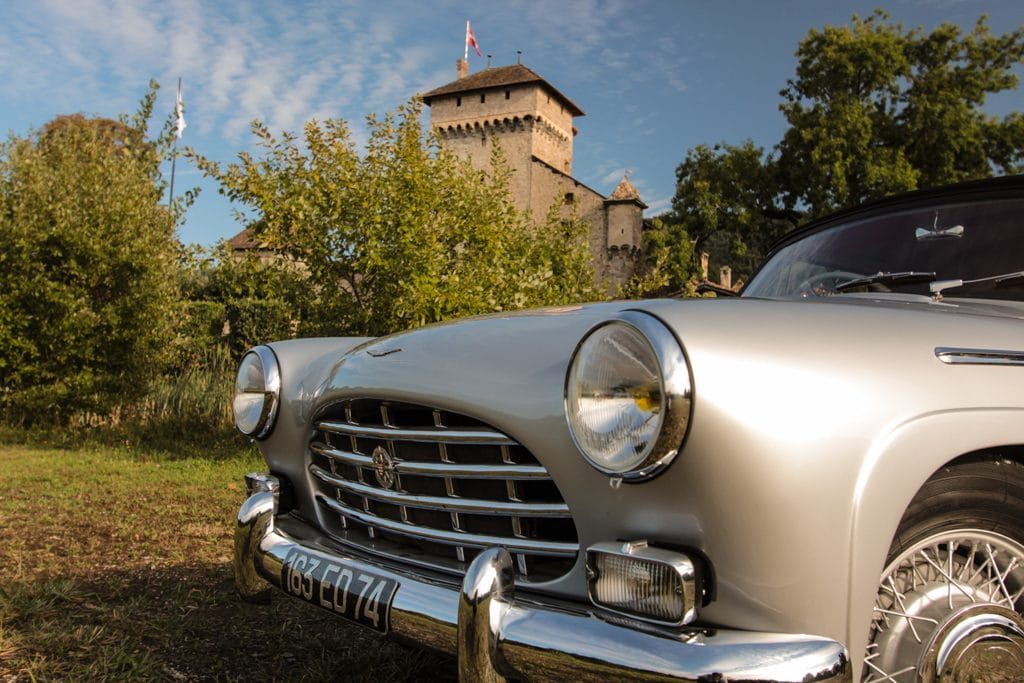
point(644, 399)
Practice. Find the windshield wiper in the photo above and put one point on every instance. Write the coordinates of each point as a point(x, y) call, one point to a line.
point(937, 287)
point(906, 277)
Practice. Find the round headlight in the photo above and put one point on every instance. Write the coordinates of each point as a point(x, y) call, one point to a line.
point(257, 386)
point(627, 396)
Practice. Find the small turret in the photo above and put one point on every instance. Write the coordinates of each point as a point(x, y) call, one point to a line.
point(625, 216)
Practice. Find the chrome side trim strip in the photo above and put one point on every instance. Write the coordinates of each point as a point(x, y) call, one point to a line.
point(478, 437)
point(958, 356)
point(437, 469)
point(458, 538)
point(444, 503)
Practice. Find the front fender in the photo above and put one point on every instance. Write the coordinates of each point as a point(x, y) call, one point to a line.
point(893, 471)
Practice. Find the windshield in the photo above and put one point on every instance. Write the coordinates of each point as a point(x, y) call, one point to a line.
point(906, 251)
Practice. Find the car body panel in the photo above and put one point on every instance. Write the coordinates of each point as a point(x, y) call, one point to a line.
point(814, 423)
point(768, 415)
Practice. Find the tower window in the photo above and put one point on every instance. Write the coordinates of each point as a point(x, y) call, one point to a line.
point(569, 197)
point(508, 94)
point(458, 101)
point(483, 98)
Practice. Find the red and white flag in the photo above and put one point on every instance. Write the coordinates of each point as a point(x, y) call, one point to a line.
point(471, 40)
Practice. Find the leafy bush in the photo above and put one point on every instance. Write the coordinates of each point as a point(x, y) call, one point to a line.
point(404, 234)
point(239, 300)
point(88, 256)
point(257, 321)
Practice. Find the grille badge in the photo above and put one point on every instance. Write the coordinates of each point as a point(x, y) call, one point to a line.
point(383, 467)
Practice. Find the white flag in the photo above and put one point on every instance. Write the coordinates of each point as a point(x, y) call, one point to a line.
point(179, 110)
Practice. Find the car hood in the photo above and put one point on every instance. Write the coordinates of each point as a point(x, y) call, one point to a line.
point(487, 362)
point(509, 350)
point(509, 369)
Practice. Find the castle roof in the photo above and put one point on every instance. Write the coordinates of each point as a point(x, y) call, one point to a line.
point(497, 77)
point(626, 192)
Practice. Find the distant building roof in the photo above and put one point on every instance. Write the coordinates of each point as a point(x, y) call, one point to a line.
point(497, 77)
point(245, 241)
point(705, 286)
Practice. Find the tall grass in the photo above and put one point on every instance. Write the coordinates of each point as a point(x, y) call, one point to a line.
point(190, 408)
point(186, 412)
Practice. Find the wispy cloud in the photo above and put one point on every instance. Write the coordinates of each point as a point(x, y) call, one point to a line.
point(281, 64)
point(614, 176)
point(658, 206)
point(286, 63)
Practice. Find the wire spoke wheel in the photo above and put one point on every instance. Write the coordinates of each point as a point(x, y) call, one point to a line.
point(950, 600)
point(949, 608)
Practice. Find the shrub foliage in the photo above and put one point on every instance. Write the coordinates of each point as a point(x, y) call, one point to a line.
point(402, 235)
point(89, 301)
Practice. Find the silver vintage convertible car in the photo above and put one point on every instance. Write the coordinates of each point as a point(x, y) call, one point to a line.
point(820, 480)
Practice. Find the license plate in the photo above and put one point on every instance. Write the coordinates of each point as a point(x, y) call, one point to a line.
point(335, 585)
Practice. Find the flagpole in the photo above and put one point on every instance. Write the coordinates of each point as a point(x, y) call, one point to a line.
point(174, 152)
point(465, 55)
point(174, 161)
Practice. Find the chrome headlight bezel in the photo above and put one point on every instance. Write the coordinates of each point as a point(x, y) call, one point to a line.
point(676, 396)
point(256, 424)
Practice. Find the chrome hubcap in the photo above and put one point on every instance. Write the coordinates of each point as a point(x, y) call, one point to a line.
point(977, 643)
point(949, 609)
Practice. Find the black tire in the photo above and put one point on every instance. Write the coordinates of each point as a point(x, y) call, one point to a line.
point(978, 493)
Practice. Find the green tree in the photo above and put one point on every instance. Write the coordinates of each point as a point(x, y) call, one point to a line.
point(873, 109)
point(669, 265)
point(88, 255)
point(727, 202)
point(842, 111)
point(404, 234)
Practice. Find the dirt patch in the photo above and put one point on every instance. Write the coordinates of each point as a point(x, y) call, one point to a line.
point(88, 592)
point(187, 624)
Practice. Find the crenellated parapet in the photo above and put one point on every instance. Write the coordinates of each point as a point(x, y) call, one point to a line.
point(527, 123)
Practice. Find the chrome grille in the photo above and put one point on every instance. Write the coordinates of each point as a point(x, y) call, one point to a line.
point(434, 487)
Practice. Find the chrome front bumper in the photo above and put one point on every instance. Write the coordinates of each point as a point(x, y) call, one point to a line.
point(495, 636)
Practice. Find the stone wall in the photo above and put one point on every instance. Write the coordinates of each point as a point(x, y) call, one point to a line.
point(475, 141)
point(614, 263)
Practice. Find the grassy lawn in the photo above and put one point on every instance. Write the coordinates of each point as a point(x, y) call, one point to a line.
point(116, 565)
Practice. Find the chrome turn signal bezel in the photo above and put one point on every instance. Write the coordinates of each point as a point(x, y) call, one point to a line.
point(676, 564)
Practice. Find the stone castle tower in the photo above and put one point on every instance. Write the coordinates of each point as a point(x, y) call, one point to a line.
point(533, 123)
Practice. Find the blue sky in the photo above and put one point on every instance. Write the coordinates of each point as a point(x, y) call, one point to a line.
point(655, 77)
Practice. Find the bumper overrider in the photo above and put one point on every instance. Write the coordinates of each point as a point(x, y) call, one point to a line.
point(496, 636)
